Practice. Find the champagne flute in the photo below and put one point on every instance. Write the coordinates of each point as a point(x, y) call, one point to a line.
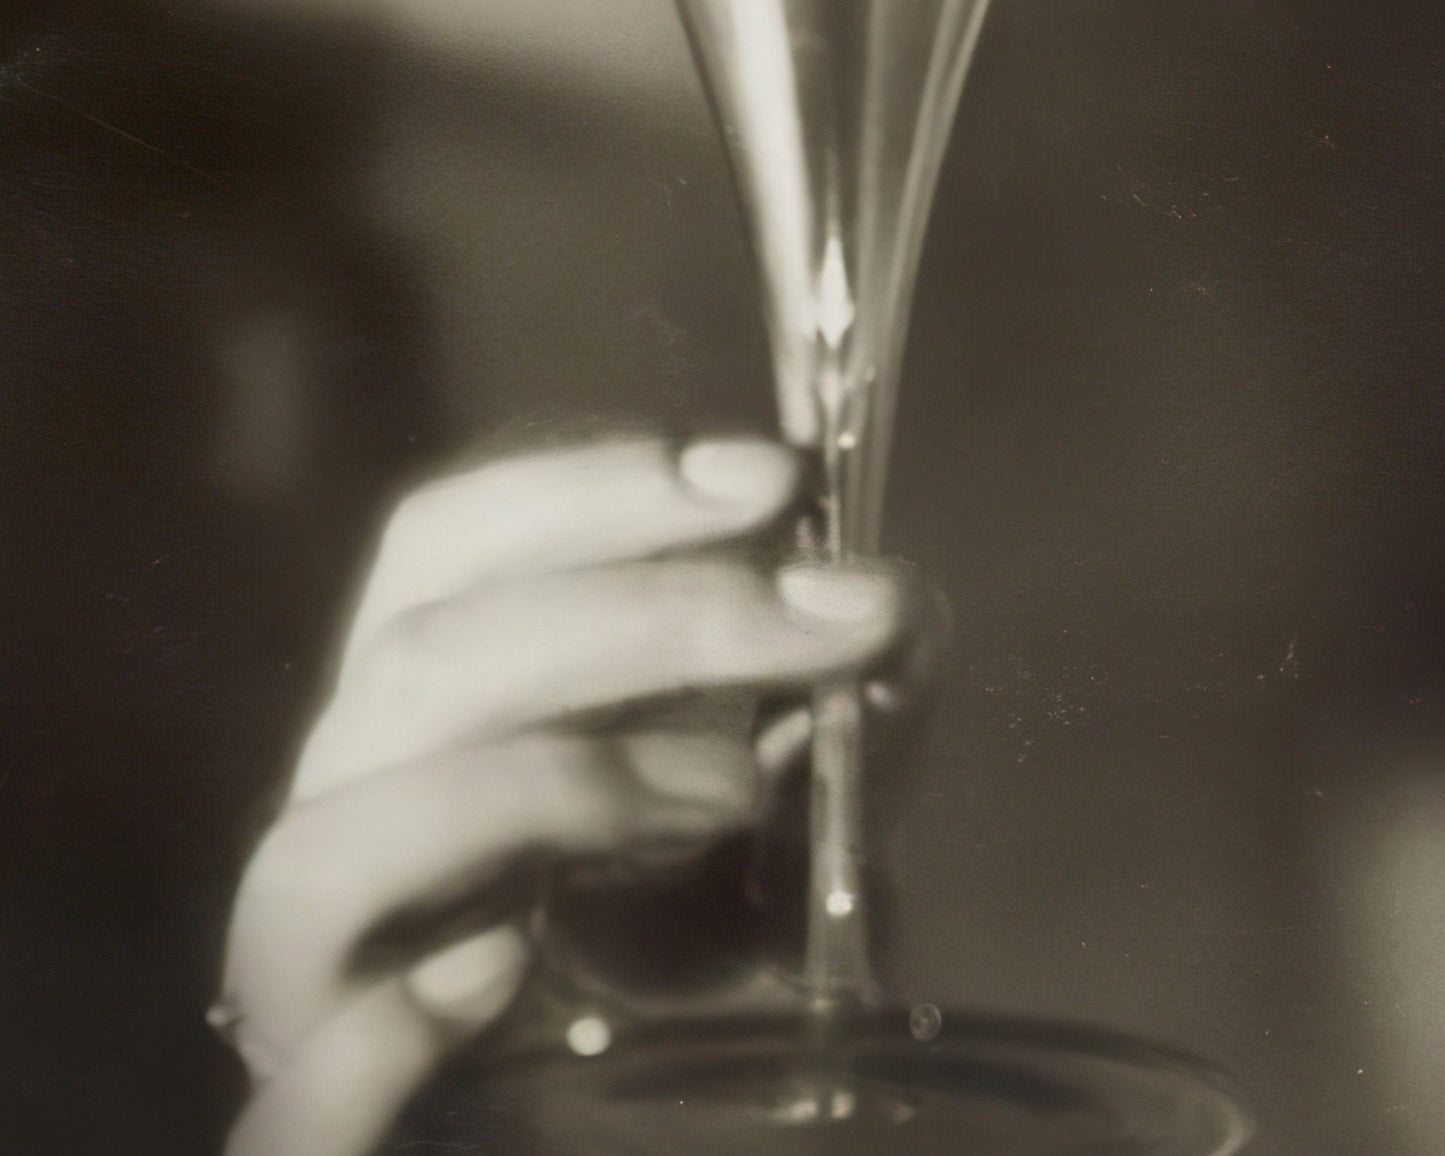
point(836, 115)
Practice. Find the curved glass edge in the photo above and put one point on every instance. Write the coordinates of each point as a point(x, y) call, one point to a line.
point(855, 1028)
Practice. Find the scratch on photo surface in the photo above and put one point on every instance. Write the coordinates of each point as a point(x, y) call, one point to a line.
point(71, 106)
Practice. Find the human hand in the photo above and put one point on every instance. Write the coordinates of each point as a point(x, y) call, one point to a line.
point(493, 699)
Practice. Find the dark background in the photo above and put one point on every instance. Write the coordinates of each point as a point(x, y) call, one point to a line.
point(1171, 438)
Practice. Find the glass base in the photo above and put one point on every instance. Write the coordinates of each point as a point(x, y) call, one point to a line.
point(902, 1083)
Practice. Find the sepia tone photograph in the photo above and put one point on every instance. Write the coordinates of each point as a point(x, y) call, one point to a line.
point(708, 577)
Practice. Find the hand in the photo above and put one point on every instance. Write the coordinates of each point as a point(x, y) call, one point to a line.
point(495, 696)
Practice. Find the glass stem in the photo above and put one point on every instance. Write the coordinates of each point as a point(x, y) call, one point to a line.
point(836, 965)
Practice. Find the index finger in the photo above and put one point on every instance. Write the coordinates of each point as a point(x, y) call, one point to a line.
point(564, 509)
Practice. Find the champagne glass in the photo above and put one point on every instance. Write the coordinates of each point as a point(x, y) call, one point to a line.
point(836, 114)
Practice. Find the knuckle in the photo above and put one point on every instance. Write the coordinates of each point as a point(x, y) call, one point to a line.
point(298, 871)
point(390, 669)
point(419, 515)
point(406, 636)
point(408, 515)
point(285, 860)
point(280, 856)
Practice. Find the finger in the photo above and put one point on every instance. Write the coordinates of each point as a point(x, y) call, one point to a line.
point(907, 677)
point(471, 982)
point(345, 1084)
point(570, 644)
point(566, 509)
point(716, 772)
point(783, 736)
point(333, 870)
point(341, 1091)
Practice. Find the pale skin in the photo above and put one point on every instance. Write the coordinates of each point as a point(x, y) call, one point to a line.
point(604, 582)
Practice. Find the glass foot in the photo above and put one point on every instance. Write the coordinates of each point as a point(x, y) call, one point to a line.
point(911, 1082)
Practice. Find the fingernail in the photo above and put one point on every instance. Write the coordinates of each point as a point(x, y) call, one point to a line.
point(837, 594)
point(736, 470)
point(472, 978)
point(710, 790)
